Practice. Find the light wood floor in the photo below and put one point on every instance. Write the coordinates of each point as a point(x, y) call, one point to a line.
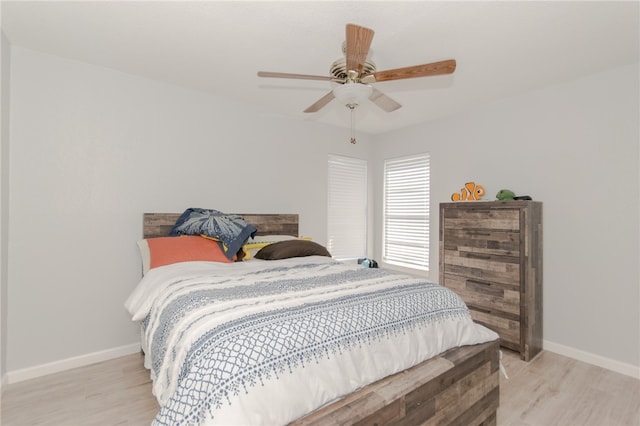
point(550, 390)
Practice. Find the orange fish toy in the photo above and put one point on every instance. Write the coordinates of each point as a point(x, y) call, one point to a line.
point(470, 192)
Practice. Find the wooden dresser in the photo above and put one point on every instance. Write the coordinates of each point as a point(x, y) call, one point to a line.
point(491, 255)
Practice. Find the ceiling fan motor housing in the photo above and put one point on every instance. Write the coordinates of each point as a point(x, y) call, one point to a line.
point(339, 69)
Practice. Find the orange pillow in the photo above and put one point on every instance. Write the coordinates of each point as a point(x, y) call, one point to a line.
point(167, 250)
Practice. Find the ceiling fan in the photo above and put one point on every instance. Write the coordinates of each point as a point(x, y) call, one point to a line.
point(355, 73)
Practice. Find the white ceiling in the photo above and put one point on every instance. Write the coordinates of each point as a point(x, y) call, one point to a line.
point(502, 48)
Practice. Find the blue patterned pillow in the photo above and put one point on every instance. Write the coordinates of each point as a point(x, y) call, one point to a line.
point(231, 229)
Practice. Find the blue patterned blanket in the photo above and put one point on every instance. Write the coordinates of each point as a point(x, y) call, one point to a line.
point(269, 344)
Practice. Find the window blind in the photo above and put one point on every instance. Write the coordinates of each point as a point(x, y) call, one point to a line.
point(347, 204)
point(406, 212)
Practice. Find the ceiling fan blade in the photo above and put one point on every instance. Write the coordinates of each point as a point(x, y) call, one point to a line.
point(320, 102)
point(426, 70)
point(384, 101)
point(297, 76)
point(358, 43)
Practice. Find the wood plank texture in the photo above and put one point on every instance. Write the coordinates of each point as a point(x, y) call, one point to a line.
point(159, 224)
point(460, 384)
point(491, 254)
point(115, 392)
point(551, 390)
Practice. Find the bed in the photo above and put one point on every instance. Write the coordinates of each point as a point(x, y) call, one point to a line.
point(392, 374)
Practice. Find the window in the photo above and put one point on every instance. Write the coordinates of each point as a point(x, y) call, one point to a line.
point(405, 235)
point(347, 215)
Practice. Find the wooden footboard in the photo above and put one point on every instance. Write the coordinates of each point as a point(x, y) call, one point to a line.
point(458, 387)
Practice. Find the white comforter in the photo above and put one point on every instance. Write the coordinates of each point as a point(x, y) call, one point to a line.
point(265, 342)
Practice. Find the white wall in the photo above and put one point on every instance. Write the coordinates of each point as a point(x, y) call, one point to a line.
point(91, 150)
point(574, 147)
point(5, 51)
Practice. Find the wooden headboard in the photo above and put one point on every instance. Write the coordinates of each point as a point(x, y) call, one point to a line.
point(159, 224)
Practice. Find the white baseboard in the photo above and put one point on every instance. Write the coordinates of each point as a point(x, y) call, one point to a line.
point(69, 363)
point(92, 358)
point(589, 358)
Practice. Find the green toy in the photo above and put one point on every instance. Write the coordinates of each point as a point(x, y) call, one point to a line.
point(509, 195)
point(505, 195)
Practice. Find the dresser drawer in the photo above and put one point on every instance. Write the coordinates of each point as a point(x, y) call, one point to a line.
point(482, 219)
point(486, 295)
point(482, 267)
point(488, 242)
point(508, 329)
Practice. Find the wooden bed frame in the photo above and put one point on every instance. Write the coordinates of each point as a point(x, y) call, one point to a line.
point(159, 224)
point(459, 386)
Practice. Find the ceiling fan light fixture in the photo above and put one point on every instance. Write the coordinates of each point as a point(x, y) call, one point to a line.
point(352, 94)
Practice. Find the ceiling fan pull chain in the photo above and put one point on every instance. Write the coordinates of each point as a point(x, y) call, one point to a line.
point(353, 132)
